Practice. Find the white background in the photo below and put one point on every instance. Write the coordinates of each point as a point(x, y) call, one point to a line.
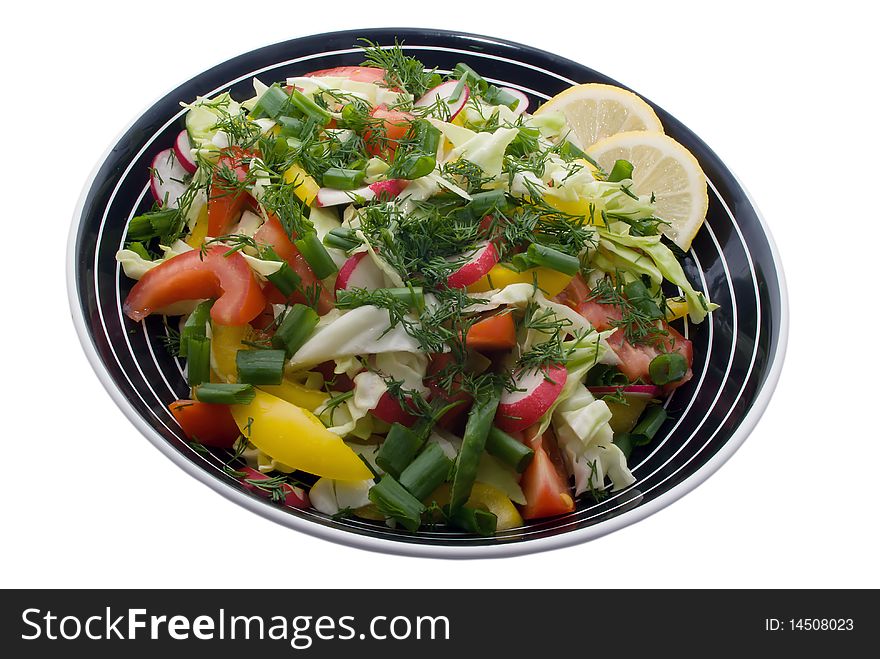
point(785, 95)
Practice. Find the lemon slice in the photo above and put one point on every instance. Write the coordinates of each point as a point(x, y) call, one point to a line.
point(595, 111)
point(664, 168)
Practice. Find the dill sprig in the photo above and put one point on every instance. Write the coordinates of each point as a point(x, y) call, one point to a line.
point(639, 327)
point(402, 71)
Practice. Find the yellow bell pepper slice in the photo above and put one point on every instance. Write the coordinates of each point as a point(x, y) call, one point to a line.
point(485, 497)
point(296, 394)
point(200, 230)
point(306, 187)
point(676, 307)
point(550, 281)
point(226, 341)
point(297, 438)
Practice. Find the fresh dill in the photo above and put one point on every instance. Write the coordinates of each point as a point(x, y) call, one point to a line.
point(402, 71)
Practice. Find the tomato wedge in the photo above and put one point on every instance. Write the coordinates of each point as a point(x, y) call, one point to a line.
point(545, 488)
point(356, 73)
point(384, 142)
point(194, 276)
point(273, 235)
point(635, 359)
point(205, 423)
point(226, 201)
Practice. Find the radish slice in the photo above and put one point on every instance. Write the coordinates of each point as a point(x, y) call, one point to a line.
point(479, 263)
point(523, 104)
point(295, 497)
point(380, 189)
point(535, 392)
point(389, 410)
point(166, 179)
point(183, 151)
point(444, 91)
point(359, 271)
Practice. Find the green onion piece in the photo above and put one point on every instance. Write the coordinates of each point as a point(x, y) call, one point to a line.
point(195, 325)
point(271, 103)
point(198, 363)
point(285, 280)
point(622, 169)
point(414, 296)
point(260, 366)
point(398, 449)
point(225, 394)
point(461, 69)
point(509, 449)
point(571, 151)
point(640, 297)
point(554, 259)
point(343, 179)
point(483, 203)
point(309, 108)
point(668, 367)
point(651, 421)
point(415, 166)
point(298, 324)
point(472, 445)
point(474, 520)
point(314, 252)
point(603, 375)
point(427, 136)
point(426, 472)
point(341, 238)
point(393, 501)
point(152, 224)
point(459, 87)
point(290, 127)
point(519, 263)
point(624, 441)
point(497, 96)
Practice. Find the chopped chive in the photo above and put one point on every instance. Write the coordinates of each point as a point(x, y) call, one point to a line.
point(459, 87)
point(195, 325)
point(260, 366)
point(225, 394)
point(497, 96)
point(554, 259)
point(483, 203)
point(271, 103)
point(198, 363)
point(298, 324)
point(314, 252)
point(341, 238)
point(398, 450)
point(290, 127)
point(309, 108)
point(472, 445)
point(285, 280)
point(651, 421)
point(426, 472)
point(622, 170)
point(668, 367)
point(394, 501)
point(340, 178)
point(509, 449)
point(474, 520)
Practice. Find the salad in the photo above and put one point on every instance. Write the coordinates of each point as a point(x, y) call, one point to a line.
point(402, 297)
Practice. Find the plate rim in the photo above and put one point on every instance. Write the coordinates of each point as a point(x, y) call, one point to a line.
point(403, 547)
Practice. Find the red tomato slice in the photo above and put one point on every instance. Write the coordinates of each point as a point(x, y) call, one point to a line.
point(384, 142)
point(192, 276)
point(205, 423)
point(454, 420)
point(273, 234)
point(635, 359)
point(225, 201)
point(545, 488)
point(356, 73)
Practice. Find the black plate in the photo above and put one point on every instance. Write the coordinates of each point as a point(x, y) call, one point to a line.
point(738, 350)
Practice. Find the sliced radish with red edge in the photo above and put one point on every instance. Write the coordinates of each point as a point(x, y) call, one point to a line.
point(444, 91)
point(523, 104)
point(183, 151)
point(536, 390)
point(480, 261)
point(295, 497)
point(360, 271)
point(167, 179)
point(379, 190)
